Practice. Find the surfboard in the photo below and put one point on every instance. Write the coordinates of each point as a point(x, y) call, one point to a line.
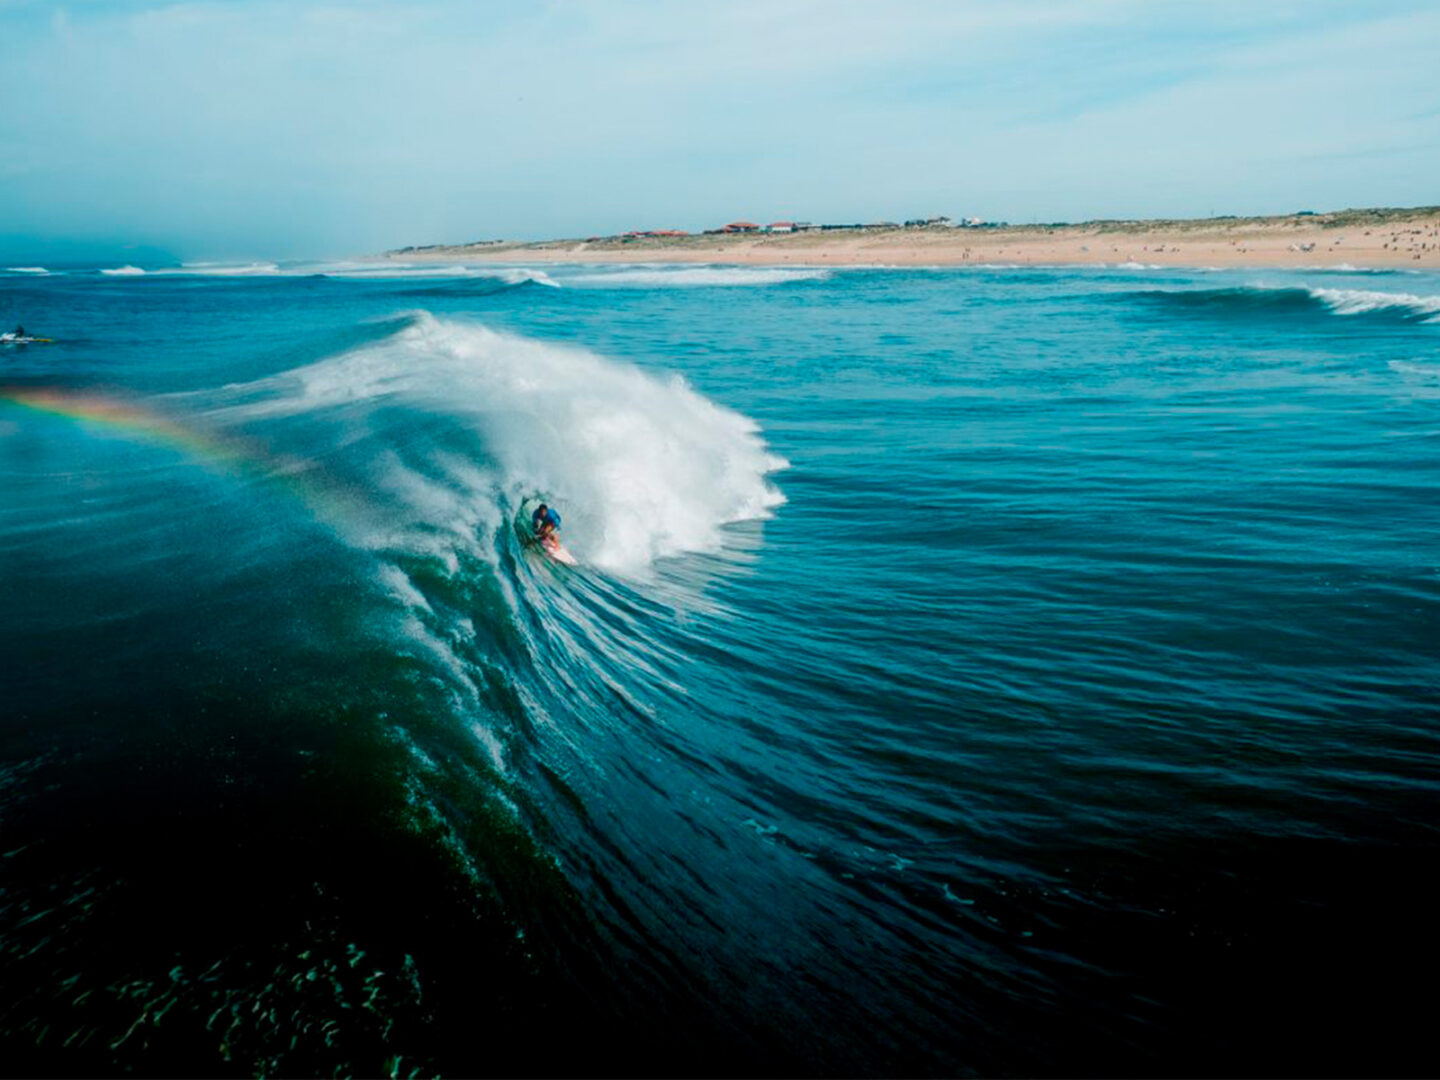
point(550, 545)
point(556, 551)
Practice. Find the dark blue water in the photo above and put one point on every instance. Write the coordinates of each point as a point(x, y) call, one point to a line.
point(991, 671)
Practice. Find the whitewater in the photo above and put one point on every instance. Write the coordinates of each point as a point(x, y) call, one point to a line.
point(990, 670)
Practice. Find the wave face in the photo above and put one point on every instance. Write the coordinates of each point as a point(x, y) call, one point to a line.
point(1296, 298)
point(980, 671)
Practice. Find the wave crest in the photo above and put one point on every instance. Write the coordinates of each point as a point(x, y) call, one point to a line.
point(1243, 299)
point(1360, 301)
point(404, 272)
point(206, 269)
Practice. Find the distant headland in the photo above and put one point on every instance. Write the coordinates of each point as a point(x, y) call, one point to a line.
point(1375, 238)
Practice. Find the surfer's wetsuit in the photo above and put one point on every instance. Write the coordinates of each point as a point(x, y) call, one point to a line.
point(544, 521)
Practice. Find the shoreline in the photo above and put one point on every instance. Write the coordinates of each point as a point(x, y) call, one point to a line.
point(1362, 239)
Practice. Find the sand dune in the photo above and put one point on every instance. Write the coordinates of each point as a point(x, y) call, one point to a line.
point(1360, 238)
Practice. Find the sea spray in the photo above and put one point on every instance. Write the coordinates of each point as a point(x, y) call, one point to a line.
point(641, 466)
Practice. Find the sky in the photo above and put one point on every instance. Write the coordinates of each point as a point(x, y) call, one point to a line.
point(288, 129)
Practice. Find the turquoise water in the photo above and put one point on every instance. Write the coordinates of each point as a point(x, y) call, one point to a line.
point(992, 671)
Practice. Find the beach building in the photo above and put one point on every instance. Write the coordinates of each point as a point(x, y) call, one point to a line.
point(780, 226)
point(741, 226)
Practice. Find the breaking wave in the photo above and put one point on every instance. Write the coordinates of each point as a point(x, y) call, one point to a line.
point(641, 465)
point(1360, 301)
point(508, 276)
point(1275, 299)
point(1405, 367)
point(207, 269)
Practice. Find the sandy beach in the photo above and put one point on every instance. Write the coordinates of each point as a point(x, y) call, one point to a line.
point(1389, 238)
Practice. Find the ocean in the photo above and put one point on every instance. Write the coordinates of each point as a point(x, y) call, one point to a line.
point(983, 671)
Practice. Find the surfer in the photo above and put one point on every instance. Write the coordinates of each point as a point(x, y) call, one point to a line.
point(544, 521)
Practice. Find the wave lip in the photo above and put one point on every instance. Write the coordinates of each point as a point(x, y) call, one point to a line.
point(1361, 301)
point(521, 277)
point(124, 271)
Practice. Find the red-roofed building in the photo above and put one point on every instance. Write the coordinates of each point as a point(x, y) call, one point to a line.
point(741, 226)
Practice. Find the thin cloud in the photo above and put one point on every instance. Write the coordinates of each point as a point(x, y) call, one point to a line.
point(292, 128)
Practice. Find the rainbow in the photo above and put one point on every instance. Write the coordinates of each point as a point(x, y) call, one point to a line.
point(247, 457)
point(127, 418)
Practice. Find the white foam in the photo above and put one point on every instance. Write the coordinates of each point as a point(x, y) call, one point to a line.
point(347, 271)
point(373, 270)
point(1133, 265)
point(641, 466)
point(124, 271)
point(258, 269)
point(1347, 268)
point(515, 277)
point(1359, 301)
point(400, 271)
point(700, 277)
point(1404, 367)
point(26, 270)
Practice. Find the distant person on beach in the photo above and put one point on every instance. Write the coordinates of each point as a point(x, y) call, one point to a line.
point(544, 521)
